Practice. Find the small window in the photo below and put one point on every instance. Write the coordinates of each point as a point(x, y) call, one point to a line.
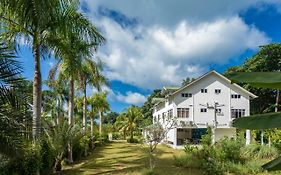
point(203, 109)
point(235, 96)
point(203, 90)
point(218, 110)
point(217, 91)
point(186, 95)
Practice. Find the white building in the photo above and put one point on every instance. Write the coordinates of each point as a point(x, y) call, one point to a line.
point(193, 108)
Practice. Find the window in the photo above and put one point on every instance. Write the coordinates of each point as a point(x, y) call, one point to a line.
point(218, 110)
point(183, 112)
point(163, 116)
point(203, 90)
point(170, 113)
point(235, 96)
point(158, 118)
point(237, 113)
point(186, 95)
point(217, 91)
point(203, 109)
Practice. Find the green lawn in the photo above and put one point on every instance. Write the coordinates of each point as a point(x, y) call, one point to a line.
point(123, 158)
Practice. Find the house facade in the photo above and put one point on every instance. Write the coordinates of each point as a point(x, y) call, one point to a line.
point(209, 101)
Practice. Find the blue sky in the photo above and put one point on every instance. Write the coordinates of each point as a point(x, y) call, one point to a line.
point(155, 43)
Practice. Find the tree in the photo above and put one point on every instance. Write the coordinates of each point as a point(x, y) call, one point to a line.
point(40, 23)
point(154, 134)
point(110, 118)
point(100, 103)
point(148, 107)
point(13, 104)
point(27, 20)
point(260, 121)
point(187, 80)
point(268, 59)
point(58, 136)
point(129, 121)
point(90, 74)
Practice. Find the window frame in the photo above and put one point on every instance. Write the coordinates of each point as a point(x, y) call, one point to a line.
point(203, 110)
point(217, 91)
point(204, 91)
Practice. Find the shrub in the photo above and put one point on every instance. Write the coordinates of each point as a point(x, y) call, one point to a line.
point(32, 159)
point(267, 152)
point(132, 140)
point(187, 161)
point(189, 149)
point(230, 149)
point(48, 157)
point(212, 161)
point(207, 138)
point(250, 151)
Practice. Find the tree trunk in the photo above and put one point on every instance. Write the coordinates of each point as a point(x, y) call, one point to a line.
point(58, 111)
point(277, 100)
point(92, 127)
point(85, 109)
point(71, 102)
point(37, 91)
point(70, 115)
point(100, 129)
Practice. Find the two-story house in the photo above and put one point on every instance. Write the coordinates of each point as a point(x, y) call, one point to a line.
point(209, 101)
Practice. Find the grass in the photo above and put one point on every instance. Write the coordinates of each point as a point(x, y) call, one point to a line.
point(121, 158)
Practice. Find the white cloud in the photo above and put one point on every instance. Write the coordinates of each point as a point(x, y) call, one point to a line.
point(169, 13)
point(165, 56)
point(173, 40)
point(132, 98)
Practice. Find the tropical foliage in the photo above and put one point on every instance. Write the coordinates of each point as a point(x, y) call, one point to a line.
point(269, 56)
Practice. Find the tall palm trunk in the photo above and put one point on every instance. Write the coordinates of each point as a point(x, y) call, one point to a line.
point(70, 115)
point(58, 110)
point(85, 108)
point(100, 128)
point(92, 121)
point(37, 91)
point(71, 102)
point(277, 100)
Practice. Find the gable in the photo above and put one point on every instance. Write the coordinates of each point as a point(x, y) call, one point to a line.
point(205, 79)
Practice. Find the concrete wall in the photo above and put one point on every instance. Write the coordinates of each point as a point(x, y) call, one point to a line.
point(222, 132)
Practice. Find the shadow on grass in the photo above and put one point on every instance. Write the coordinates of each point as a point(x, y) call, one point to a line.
point(123, 158)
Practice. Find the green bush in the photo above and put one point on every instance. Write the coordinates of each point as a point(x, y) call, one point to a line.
point(32, 159)
point(187, 161)
point(189, 149)
point(250, 151)
point(82, 147)
point(230, 149)
point(132, 140)
point(48, 156)
point(207, 138)
point(212, 161)
point(267, 152)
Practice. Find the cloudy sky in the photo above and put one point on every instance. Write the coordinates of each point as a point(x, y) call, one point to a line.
point(152, 43)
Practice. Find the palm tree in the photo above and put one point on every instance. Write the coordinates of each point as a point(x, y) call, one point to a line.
point(59, 136)
point(131, 120)
point(28, 20)
point(73, 51)
point(60, 96)
point(40, 23)
point(12, 106)
point(90, 74)
point(92, 115)
point(120, 124)
point(101, 104)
